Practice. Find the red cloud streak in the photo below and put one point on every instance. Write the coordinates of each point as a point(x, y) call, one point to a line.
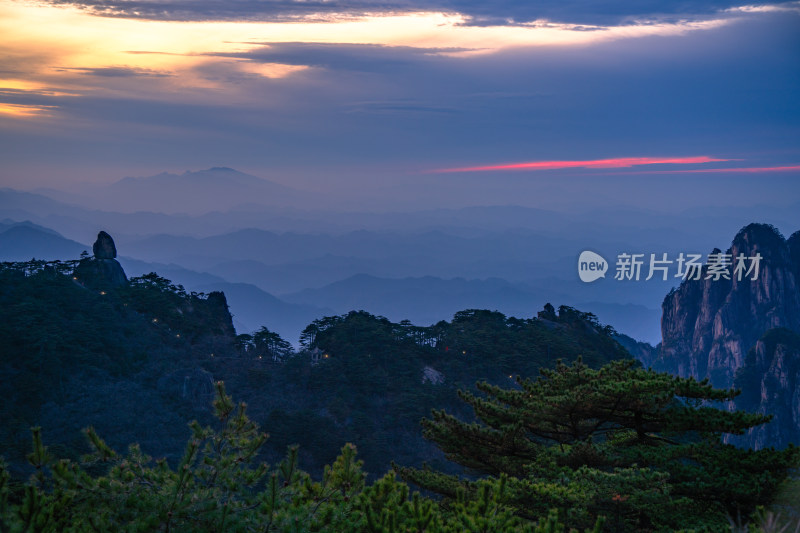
point(621, 162)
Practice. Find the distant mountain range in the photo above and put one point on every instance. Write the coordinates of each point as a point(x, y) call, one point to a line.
point(252, 308)
point(422, 299)
point(213, 189)
point(739, 333)
point(431, 252)
point(77, 215)
point(23, 241)
point(509, 258)
point(427, 300)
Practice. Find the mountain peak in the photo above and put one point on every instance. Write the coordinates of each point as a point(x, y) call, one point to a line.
point(762, 238)
point(710, 324)
point(217, 171)
point(200, 191)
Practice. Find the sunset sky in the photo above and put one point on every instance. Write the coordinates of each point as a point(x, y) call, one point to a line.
point(335, 94)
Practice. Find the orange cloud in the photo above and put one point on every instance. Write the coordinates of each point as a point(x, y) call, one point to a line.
point(25, 111)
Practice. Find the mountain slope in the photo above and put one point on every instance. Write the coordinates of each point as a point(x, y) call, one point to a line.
point(22, 242)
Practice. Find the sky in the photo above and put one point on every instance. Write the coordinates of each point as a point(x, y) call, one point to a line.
point(497, 99)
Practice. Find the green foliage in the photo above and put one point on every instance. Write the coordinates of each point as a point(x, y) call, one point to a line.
point(220, 485)
point(369, 371)
point(618, 441)
point(60, 336)
point(386, 504)
point(263, 346)
point(786, 506)
point(270, 345)
point(192, 315)
point(68, 347)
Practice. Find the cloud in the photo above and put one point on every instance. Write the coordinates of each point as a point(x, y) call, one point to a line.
point(385, 98)
point(621, 162)
point(476, 12)
point(342, 56)
point(25, 110)
point(220, 10)
point(793, 6)
point(117, 72)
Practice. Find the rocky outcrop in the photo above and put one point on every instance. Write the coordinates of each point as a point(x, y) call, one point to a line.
point(221, 321)
point(102, 271)
point(709, 325)
point(715, 328)
point(432, 376)
point(193, 386)
point(104, 247)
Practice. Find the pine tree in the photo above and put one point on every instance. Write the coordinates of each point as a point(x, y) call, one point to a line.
point(619, 441)
point(270, 345)
point(219, 485)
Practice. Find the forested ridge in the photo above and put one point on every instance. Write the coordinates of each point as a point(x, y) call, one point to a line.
point(139, 361)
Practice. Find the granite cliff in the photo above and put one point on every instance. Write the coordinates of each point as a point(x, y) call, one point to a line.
point(724, 329)
point(770, 384)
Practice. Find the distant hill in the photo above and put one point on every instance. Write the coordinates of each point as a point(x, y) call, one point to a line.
point(25, 241)
point(305, 279)
point(294, 276)
point(423, 300)
point(12, 200)
point(190, 279)
point(428, 299)
point(76, 215)
point(395, 253)
point(9, 223)
point(213, 189)
point(253, 308)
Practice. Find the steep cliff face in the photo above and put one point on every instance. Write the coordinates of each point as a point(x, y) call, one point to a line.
point(770, 384)
point(716, 328)
point(709, 325)
point(221, 318)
